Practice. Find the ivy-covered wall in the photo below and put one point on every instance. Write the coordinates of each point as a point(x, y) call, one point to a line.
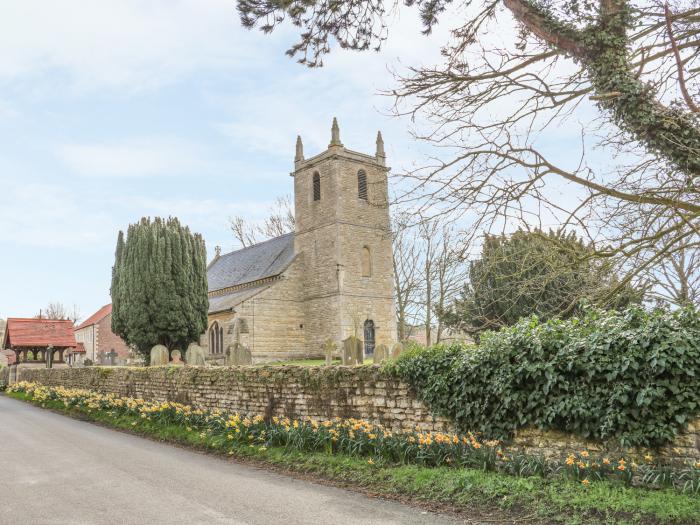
point(317, 392)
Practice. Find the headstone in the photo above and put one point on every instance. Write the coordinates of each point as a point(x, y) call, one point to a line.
point(328, 351)
point(381, 352)
point(359, 352)
point(396, 350)
point(176, 358)
point(49, 356)
point(111, 356)
point(159, 356)
point(245, 356)
point(239, 355)
point(195, 355)
point(348, 356)
point(353, 352)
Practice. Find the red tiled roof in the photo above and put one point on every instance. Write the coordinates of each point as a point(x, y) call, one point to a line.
point(79, 349)
point(39, 332)
point(97, 316)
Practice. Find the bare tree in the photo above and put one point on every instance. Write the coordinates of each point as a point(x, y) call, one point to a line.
point(407, 254)
point(278, 222)
point(59, 311)
point(677, 279)
point(626, 70)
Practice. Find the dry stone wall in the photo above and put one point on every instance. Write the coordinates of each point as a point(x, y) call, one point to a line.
point(317, 392)
point(293, 391)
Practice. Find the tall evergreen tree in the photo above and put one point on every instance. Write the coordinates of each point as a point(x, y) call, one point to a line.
point(534, 273)
point(159, 285)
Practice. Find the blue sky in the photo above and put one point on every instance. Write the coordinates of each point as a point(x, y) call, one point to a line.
point(118, 109)
point(113, 110)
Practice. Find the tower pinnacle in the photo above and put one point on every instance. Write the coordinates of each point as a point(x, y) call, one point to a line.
point(381, 155)
point(299, 156)
point(335, 134)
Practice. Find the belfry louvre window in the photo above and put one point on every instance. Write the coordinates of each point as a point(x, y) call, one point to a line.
point(362, 185)
point(317, 187)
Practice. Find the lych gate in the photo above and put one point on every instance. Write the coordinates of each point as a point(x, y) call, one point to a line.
point(40, 342)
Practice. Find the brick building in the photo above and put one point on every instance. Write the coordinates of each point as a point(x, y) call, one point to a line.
point(329, 279)
point(101, 345)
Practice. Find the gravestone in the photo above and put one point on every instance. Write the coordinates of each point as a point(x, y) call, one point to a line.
point(176, 358)
point(359, 351)
point(111, 356)
point(159, 356)
point(396, 350)
point(328, 351)
point(353, 353)
point(348, 355)
point(195, 355)
point(239, 355)
point(49, 356)
point(380, 354)
point(245, 356)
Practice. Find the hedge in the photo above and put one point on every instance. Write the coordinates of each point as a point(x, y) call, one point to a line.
point(630, 376)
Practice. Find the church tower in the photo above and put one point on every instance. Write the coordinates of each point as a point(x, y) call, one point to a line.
point(343, 236)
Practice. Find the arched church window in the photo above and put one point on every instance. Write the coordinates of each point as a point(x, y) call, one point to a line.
point(216, 338)
point(366, 262)
point(317, 187)
point(362, 185)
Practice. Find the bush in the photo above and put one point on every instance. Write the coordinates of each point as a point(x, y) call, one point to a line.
point(630, 376)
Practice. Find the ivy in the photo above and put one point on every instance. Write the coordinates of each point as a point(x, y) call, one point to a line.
point(631, 377)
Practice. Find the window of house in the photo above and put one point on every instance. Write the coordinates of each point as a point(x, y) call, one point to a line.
point(317, 187)
point(366, 262)
point(362, 185)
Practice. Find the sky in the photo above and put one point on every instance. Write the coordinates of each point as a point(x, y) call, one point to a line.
point(118, 109)
point(114, 110)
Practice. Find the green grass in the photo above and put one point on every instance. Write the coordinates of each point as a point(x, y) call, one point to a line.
point(533, 499)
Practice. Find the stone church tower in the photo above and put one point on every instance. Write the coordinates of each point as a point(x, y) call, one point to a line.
point(344, 236)
point(329, 279)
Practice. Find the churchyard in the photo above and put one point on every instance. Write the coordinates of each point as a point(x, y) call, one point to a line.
point(491, 318)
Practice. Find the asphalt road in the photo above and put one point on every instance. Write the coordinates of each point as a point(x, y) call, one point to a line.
point(57, 470)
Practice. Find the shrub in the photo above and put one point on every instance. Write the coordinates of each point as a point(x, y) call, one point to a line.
point(631, 376)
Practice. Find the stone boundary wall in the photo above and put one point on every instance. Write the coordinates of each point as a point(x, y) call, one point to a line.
point(292, 391)
point(321, 393)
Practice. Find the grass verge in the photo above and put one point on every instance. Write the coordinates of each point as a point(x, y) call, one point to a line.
point(503, 498)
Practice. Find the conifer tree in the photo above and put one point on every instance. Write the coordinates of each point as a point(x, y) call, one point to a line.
point(534, 273)
point(159, 285)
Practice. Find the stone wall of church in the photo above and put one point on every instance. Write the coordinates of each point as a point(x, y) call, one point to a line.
point(276, 319)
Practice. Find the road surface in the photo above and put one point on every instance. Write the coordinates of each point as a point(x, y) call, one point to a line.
point(57, 470)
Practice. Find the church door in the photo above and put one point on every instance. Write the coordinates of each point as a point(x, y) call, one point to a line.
point(369, 337)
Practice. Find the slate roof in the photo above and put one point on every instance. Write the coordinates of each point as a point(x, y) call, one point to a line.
point(224, 303)
point(97, 316)
point(39, 332)
point(266, 259)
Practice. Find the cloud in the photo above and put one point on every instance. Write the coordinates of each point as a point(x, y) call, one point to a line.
point(49, 216)
point(134, 158)
point(128, 45)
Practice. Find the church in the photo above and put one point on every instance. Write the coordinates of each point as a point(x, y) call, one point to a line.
point(329, 279)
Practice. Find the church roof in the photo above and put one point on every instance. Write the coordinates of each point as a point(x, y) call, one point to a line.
point(265, 259)
point(225, 303)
